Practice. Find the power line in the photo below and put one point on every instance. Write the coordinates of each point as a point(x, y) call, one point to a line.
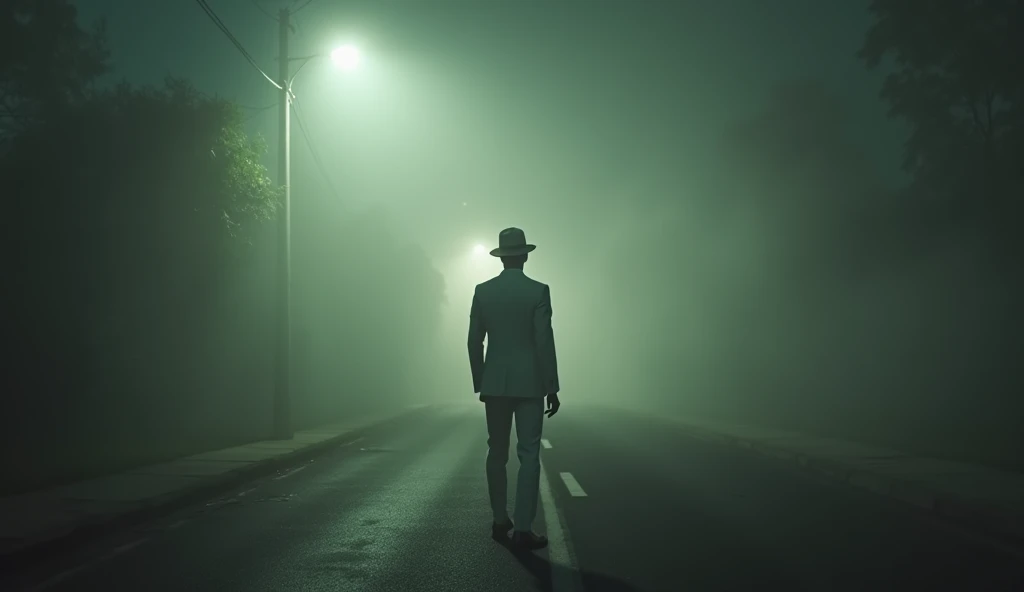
point(312, 149)
point(307, 3)
point(264, 11)
point(316, 155)
point(296, 28)
point(256, 111)
point(224, 29)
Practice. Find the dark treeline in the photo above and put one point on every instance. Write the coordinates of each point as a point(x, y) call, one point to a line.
point(140, 278)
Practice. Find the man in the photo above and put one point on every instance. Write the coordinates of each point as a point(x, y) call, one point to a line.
point(514, 313)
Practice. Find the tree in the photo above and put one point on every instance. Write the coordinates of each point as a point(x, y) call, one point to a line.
point(955, 74)
point(957, 78)
point(142, 305)
point(155, 192)
point(128, 213)
point(168, 160)
point(47, 61)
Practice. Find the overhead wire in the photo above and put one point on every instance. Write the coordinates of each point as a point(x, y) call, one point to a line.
point(264, 11)
point(306, 135)
point(256, 111)
point(234, 41)
point(294, 105)
point(304, 5)
point(312, 149)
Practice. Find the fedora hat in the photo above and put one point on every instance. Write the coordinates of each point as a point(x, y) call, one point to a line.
point(512, 242)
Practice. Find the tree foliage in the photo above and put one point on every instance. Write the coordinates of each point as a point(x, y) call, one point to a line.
point(956, 76)
point(47, 61)
point(128, 213)
point(143, 275)
point(168, 162)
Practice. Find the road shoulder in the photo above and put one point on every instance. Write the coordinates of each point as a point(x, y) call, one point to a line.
point(36, 524)
point(982, 498)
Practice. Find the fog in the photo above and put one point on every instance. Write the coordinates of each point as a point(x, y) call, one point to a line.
point(732, 246)
point(717, 202)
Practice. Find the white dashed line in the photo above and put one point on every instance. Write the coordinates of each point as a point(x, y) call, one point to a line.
point(545, 443)
point(565, 576)
point(290, 473)
point(572, 485)
point(124, 548)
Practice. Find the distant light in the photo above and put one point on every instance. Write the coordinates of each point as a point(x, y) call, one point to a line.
point(347, 57)
point(479, 250)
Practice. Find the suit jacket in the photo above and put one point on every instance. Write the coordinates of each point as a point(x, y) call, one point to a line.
point(514, 313)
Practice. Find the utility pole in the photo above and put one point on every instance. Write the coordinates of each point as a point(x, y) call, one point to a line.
point(282, 384)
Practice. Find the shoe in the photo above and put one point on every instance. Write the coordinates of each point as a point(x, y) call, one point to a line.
point(529, 540)
point(499, 532)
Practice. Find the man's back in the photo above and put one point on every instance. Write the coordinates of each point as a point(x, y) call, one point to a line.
point(514, 312)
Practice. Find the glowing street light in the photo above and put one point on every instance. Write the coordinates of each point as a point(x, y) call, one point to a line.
point(479, 250)
point(347, 57)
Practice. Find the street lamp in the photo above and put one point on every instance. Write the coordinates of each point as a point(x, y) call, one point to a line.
point(347, 57)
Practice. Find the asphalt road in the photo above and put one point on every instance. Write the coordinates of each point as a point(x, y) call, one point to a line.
point(405, 510)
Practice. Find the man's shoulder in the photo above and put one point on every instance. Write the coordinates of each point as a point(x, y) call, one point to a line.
point(519, 282)
point(534, 284)
point(488, 285)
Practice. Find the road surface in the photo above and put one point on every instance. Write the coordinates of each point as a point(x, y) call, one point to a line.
point(631, 504)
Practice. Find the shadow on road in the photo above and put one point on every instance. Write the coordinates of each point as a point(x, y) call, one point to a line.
point(545, 573)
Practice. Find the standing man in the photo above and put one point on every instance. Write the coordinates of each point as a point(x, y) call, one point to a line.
point(514, 313)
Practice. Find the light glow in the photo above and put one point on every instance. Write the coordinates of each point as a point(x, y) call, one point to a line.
point(347, 57)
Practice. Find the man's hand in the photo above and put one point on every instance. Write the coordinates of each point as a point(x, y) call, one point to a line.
point(553, 404)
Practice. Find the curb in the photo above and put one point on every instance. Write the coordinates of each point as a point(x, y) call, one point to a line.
point(991, 519)
point(34, 553)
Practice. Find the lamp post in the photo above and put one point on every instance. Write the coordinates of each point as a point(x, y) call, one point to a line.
point(346, 57)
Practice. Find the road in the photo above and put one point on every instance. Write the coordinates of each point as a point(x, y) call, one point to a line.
point(404, 509)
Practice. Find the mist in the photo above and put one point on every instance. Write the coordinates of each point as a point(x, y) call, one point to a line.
point(268, 327)
point(720, 213)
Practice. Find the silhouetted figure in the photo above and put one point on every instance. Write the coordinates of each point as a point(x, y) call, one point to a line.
point(514, 313)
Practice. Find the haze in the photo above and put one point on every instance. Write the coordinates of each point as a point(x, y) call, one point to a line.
point(717, 191)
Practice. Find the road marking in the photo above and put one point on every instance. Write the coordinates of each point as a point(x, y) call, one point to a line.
point(290, 473)
point(123, 548)
point(545, 443)
point(565, 575)
point(572, 485)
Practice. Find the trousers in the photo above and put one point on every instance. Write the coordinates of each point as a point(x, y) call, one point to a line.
point(529, 417)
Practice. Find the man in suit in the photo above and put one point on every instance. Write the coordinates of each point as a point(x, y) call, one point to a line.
point(520, 370)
